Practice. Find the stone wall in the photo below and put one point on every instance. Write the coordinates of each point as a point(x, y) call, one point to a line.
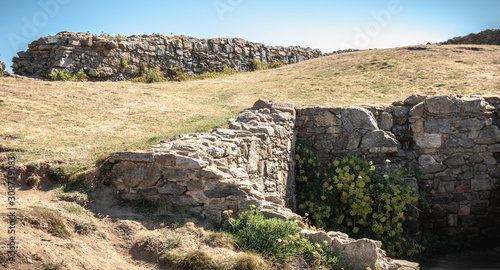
point(454, 141)
point(490, 37)
point(227, 169)
point(101, 58)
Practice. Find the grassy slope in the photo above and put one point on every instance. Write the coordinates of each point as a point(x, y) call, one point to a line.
point(78, 122)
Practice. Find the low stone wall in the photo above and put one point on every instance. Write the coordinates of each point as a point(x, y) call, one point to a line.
point(227, 169)
point(490, 37)
point(454, 141)
point(101, 58)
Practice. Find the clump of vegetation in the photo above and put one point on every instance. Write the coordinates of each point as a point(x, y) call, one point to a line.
point(351, 197)
point(74, 187)
point(33, 180)
point(52, 219)
point(179, 37)
point(124, 64)
point(111, 37)
point(277, 240)
point(84, 228)
point(75, 208)
point(219, 239)
point(151, 76)
point(177, 74)
point(256, 64)
point(63, 76)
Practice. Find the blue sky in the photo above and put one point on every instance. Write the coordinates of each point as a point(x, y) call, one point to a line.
point(326, 25)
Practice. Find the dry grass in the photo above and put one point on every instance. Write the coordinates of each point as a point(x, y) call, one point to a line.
point(76, 123)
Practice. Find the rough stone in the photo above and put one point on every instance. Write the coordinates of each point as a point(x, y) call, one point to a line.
point(425, 160)
point(172, 189)
point(362, 252)
point(437, 126)
point(192, 55)
point(455, 160)
point(460, 140)
point(428, 140)
point(489, 135)
point(441, 105)
point(379, 138)
point(354, 118)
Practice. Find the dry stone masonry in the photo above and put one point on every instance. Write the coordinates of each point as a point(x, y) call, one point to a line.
point(227, 169)
point(454, 142)
point(103, 59)
point(490, 37)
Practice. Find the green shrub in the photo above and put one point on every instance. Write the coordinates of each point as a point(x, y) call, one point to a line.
point(256, 64)
point(351, 197)
point(277, 240)
point(53, 219)
point(33, 180)
point(276, 64)
point(63, 76)
point(153, 75)
point(124, 64)
point(84, 228)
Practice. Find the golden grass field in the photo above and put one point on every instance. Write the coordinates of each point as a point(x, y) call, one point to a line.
point(78, 122)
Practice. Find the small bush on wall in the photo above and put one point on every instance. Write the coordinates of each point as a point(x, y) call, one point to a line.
point(349, 196)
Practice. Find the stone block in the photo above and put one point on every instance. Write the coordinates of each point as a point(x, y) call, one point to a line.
point(464, 209)
point(385, 121)
point(165, 160)
point(171, 188)
point(455, 160)
point(480, 184)
point(224, 192)
point(362, 253)
point(354, 118)
point(452, 220)
point(425, 160)
point(437, 126)
point(183, 162)
point(434, 168)
point(489, 135)
point(471, 124)
point(417, 110)
point(194, 185)
point(459, 140)
point(428, 140)
point(441, 105)
point(463, 185)
point(379, 138)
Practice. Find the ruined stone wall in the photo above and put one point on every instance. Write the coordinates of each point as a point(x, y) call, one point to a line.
point(101, 58)
point(490, 37)
point(227, 169)
point(454, 141)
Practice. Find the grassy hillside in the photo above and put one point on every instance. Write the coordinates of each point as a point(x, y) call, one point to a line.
point(77, 123)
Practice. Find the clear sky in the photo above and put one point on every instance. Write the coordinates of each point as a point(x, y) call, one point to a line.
point(326, 25)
